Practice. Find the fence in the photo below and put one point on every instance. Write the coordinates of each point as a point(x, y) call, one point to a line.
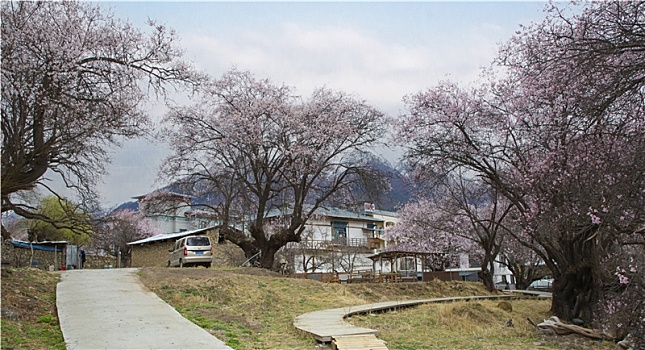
point(311, 244)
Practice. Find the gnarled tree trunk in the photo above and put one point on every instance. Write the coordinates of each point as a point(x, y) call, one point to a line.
point(576, 287)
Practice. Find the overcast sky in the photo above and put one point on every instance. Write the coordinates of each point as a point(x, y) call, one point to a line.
point(379, 51)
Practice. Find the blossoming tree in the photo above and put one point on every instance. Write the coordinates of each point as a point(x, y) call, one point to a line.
point(282, 151)
point(114, 231)
point(73, 83)
point(458, 215)
point(560, 132)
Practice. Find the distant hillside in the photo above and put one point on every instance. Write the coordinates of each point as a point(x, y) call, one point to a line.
point(398, 195)
point(134, 206)
point(400, 192)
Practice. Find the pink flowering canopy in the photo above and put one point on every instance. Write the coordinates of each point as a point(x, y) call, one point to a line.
point(558, 128)
point(73, 81)
point(119, 228)
point(273, 148)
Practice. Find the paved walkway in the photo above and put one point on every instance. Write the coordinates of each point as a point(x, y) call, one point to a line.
point(327, 324)
point(534, 293)
point(111, 309)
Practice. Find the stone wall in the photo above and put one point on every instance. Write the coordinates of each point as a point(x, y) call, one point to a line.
point(155, 254)
point(99, 261)
point(22, 257)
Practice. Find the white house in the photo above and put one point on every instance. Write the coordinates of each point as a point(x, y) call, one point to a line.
point(337, 239)
point(172, 212)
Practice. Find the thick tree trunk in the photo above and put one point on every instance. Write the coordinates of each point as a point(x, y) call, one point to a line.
point(523, 278)
point(273, 245)
point(487, 278)
point(575, 267)
point(524, 275)
point(268, 256)
point(5, 234)
point(486, 274)
point(238, 238)
point(574, 294)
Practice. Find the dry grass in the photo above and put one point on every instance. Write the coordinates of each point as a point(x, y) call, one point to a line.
point(254, 309)
point(29, 317)
point(469, 325)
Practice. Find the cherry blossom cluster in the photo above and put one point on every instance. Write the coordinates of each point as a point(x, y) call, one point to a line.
point(556, 127)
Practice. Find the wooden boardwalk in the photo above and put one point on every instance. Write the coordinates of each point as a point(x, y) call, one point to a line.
point(534, 293)
point(325, 325)
point(358, 342)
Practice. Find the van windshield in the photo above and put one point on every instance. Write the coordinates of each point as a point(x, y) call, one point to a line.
point(198, 241)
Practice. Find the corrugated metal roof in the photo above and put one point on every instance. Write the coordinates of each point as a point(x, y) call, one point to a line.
point(45, 246)
point(175, 235)
point(330, 212)
point(386, 213)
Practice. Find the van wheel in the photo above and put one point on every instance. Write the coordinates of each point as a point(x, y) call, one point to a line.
point(207, 265)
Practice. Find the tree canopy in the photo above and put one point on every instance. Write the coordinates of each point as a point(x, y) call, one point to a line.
point(116, 230)
point(275, 150)
point(65, 221)
point(73, 82)
point(558, 129)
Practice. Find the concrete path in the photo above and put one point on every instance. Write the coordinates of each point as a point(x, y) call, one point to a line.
point(535, 293)
point(327, 324)
point(111, 309)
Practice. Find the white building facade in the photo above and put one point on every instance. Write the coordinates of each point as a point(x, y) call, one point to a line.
point(338, 240)
point(172, 212)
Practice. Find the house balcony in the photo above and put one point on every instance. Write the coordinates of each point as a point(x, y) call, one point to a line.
point(340, 242)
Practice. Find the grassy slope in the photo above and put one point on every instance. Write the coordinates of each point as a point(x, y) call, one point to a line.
point(30, 318)
point(470, 325)
point(254, 309)
point(251, 309)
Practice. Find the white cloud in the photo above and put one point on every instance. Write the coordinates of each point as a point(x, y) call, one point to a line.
point(347, 59)
point(376, 66)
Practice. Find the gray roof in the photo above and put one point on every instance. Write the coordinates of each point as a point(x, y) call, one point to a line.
point(386, 213)
point(170, 193)
point(328, 212)
point(174, 235)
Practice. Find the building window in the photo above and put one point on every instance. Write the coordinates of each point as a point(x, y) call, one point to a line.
point(374, 230)
point(339, 229)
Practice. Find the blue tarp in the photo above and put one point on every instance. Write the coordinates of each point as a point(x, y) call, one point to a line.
point(37, 246)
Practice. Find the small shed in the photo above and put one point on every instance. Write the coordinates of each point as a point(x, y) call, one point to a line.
point(153, 251)
point(44, 254)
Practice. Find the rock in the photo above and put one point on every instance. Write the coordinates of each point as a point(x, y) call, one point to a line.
point(625, 344)
point(8, 314)
point(505, 305)
point(578, 322)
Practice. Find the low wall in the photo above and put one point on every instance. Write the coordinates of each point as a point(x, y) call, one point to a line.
point(442, 275)
point(22, 257)
point(155, 253)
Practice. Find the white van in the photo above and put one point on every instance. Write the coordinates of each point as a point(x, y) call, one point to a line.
point(191, 251)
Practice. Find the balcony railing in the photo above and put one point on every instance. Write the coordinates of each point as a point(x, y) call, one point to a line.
point(324, 244)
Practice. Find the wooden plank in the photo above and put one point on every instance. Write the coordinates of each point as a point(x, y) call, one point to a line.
point(358, 342)
point(325, 324)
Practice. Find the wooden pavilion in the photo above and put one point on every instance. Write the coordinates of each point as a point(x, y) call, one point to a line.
point(404, 265)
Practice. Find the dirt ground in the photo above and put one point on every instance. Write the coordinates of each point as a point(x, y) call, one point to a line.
point(245, 298)
point(28, 294)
